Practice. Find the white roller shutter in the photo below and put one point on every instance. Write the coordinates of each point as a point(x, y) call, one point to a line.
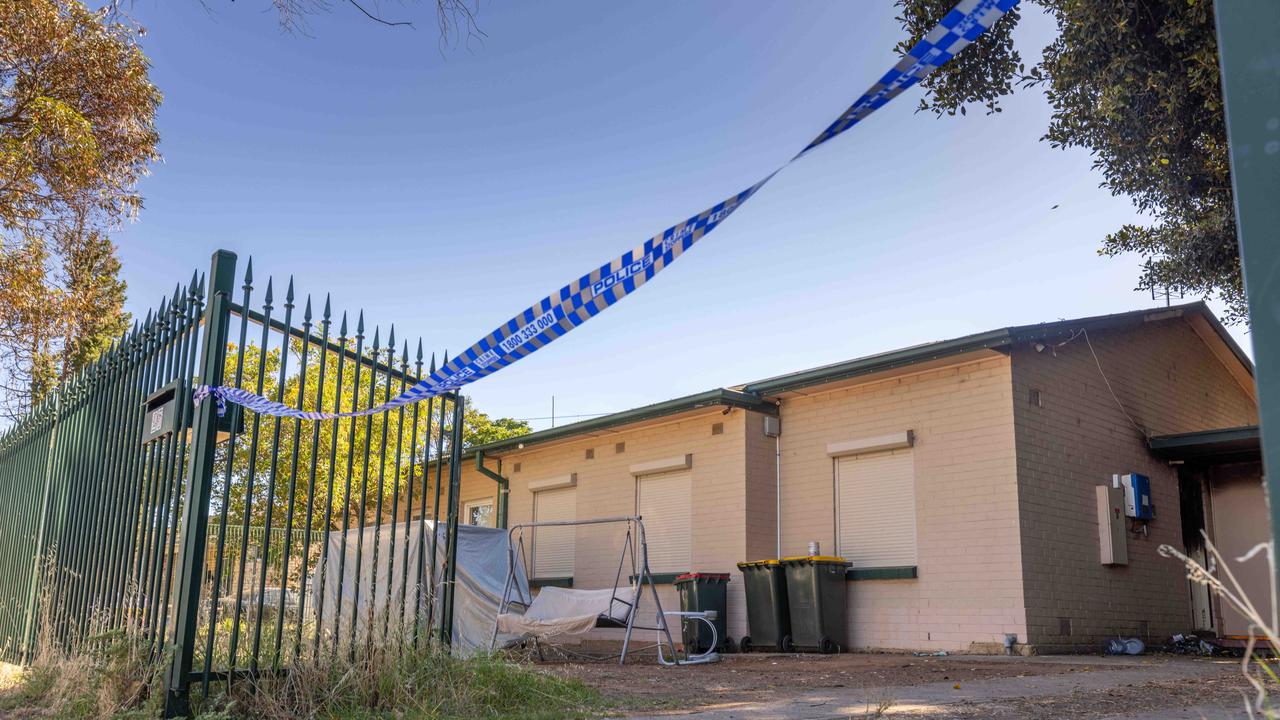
point(876, 509)
point(663, 501)
point(553, 547)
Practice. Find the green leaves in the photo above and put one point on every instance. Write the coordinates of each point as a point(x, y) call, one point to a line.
point(77, 117)
point(1136, 83)
point(77, 131)
point(61, 306)
point(980, 75)
point(344, 441)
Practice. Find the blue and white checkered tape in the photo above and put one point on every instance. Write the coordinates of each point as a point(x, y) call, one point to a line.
point(584, 298)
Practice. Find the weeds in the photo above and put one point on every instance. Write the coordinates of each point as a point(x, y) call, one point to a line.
point(878, 709)
point(116, 675)
point(107, 676)
point(1257, 671)
point(426, 683)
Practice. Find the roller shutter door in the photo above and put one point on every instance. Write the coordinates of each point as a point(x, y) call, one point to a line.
point(553, 547)
point(663, 502)
point(876, 509)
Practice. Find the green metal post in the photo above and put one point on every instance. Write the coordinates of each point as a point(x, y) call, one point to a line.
point(195, 520)
point(451, 539)
point(1249, 55)
point(503, 487)
point(504, 490)
point(433, 578)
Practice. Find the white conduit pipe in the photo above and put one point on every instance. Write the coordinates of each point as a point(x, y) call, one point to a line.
point(777, 486)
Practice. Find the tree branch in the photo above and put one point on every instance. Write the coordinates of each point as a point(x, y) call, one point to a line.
point(375, 18)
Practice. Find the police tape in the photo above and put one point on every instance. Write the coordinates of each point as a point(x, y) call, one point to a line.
point(584, 298)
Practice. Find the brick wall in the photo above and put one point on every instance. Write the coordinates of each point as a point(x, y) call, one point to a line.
point(606, 488)
point(761, 483)
point(969, 588)
point(1168, 381)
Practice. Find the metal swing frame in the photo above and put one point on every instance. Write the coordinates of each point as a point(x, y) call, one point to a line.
point(635, 547)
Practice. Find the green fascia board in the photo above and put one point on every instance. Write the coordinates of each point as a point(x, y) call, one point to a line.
point(561, 582)
point(660, 578)
point(719, 397)
point(882, 573)
point(1207, 443)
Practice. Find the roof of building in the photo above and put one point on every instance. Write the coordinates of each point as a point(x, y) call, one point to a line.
point(755, 395)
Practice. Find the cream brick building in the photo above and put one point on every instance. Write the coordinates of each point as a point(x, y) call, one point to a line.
point(958, 476)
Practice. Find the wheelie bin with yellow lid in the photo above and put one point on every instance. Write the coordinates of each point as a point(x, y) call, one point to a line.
point(768, 619)
point(818, 598)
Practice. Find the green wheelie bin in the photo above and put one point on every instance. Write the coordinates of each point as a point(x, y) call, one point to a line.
point(768, 618)
point(702, 592)
point(818, 597)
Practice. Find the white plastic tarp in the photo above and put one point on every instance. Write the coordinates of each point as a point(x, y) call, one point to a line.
point(482, 575)
point(562, 611)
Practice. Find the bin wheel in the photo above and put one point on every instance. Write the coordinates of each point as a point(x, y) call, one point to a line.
point(745, 645)
point(787, 645)
point(729, 646)
point(827, 645)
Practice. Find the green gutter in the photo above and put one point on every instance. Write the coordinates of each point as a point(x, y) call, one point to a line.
point(1220, 445)
point(1248, 433)
point(711, 398)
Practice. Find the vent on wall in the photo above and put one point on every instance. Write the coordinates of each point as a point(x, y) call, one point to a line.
point(772, 426)
point(620, 448)
point(590, 454)
point(515, 468)
point(717, 428)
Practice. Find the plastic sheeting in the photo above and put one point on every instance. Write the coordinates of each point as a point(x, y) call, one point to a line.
point(561, 611)
point(482, 575)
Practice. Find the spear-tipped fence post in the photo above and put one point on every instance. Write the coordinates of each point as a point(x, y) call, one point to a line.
point(451, 539)
point(195, 520)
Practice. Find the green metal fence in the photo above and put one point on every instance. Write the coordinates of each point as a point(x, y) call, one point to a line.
point(123, 505)
point(87, 512)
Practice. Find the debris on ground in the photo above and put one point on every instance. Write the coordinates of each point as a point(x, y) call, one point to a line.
point(1125, 646)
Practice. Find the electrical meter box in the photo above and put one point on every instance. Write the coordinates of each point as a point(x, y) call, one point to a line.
point(1137, 496)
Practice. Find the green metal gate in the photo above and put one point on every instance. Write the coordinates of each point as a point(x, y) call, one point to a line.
point(123, 505)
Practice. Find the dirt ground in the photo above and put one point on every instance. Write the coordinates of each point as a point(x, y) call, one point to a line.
point(954, 687)
point(739, 678)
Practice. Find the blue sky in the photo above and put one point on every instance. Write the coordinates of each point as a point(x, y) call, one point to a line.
point(445, 191)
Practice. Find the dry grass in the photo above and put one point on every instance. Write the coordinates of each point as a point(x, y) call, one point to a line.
point(427, 683)
point(118, 681)
point(1261, 676)
point(115, 675)
point(878, 708)
point(108, 677)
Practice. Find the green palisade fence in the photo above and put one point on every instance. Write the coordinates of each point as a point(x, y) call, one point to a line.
point(123, 506)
